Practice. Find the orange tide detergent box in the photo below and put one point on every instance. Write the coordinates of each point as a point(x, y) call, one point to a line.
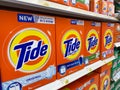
point(107, 42)
point(117, 28)
point(92, 44)
point(117, 37)
point(111, 8)
point(65, 2)
point(69, 43)
point(103, 7)
point(88, 82)
point(92, 81)
point(104, 74)
point(95, 6)
point(117, 32)
point(76, 85)
point(82, 4)
point(27, 49)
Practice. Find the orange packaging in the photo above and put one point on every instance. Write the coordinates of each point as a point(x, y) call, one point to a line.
point(117, 28)
point(103, 7)
point(82, 4)
point(107, 40)
point(92, 44)
point(104, 74)
point(69, 43)
point(92, 81)
point(117, 37)
point(27, 50)
point(117, 33)
point(95, 6)
point(88, 82)
point(111, 8)
point(65, 2)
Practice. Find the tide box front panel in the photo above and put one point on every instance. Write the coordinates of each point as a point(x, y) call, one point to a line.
point(27, 49)
point(69, 44)
point(107, 40)
point(92, 41)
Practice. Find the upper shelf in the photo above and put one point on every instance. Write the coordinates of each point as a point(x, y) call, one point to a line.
point(48, 7)
point(117, 15)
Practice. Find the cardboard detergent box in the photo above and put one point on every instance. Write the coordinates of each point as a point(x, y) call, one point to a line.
point(117, 37)
point(115, 63)
point(117, 28)
point(117, 85)
point(92, 81)
point(27, 50)
point(112, 85)
point(111, 8)
point(114, 72)
point(95, 6)
point(104, 74)
point(82, 4)
point(104, 7)
point(70, 45)
point(65, 2)
point(107, 42)
point(92, 41)
point(88, 82)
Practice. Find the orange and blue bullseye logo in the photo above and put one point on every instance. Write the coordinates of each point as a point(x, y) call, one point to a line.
point(71, 44)
point(29, 50)
point(92, 41)
point(108, 39)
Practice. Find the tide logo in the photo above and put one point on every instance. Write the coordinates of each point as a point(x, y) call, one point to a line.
point(92, 41)
point(108, 39)
point(105, 83)
point(71, 44)
point(93, 87)
point(104, 8)
point(29, 50)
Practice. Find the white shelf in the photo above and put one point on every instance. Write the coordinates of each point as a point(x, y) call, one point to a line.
point(70, 78)
point(48, 7)
point(117, 15)
point(117, 44)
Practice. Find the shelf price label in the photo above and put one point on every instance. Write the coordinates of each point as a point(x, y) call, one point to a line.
point(90, 70)
point(66, 81)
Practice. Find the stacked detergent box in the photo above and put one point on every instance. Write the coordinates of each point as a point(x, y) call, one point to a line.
point(88, 82)
point(115, 70)
point(38, 49)
point(27, 50)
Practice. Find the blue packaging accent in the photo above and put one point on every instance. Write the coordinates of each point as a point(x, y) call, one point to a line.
point(74, 22)
point(21, 82)
point(25, 18)
point(93, 23)
point(64, 67)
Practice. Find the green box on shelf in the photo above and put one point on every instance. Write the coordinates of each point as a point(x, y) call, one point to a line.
point(115, 63)
point(116, 52)
point(112, 86)
point(117, 86)
point(118, 61)
point(113, 73)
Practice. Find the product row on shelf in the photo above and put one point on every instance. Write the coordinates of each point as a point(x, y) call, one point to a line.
point(43, 6)
point(115, 70)
point(39, 50)
point(105, 7)
point(65, 82)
